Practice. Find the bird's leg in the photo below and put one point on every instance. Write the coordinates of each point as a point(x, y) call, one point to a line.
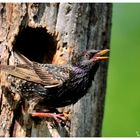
point(58, 117)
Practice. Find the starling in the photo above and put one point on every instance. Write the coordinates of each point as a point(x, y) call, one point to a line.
point(54, 86)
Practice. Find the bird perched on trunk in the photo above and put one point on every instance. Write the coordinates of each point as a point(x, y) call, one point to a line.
point(52, 85)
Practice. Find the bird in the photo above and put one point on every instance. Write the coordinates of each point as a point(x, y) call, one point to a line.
point(54, 85)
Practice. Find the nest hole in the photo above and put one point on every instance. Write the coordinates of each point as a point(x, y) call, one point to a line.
point(36, 44)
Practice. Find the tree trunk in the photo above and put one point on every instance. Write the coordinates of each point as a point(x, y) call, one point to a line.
point(53, 33)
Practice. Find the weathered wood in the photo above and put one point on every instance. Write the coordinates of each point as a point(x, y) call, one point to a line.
point(88, 112)
point(70, 28)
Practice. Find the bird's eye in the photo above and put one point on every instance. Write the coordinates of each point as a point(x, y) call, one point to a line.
point(86, 55)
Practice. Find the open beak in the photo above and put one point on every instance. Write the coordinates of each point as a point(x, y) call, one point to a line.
point(99, 55)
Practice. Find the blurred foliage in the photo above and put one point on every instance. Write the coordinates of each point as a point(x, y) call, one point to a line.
point(122, 107)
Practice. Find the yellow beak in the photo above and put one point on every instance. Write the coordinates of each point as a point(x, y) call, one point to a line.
point(100, 53)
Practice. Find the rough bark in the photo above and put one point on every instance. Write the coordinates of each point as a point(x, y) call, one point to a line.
point(69, 28)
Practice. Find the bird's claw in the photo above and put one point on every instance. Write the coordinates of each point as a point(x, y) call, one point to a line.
point(59, 117)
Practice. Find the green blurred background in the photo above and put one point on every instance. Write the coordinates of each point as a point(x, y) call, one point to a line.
point(122, 108)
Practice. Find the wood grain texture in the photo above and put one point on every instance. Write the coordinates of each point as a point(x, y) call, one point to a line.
point(75, 27)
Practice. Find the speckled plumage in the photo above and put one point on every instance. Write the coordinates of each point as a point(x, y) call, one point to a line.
point(53, 85)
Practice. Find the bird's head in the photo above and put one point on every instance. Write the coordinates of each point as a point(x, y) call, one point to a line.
point(96, 55)
point(92, 57)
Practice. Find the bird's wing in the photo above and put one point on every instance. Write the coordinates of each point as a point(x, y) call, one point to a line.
point(51, 74)
point(21, 58)
point(48, 76)
point(22, 71)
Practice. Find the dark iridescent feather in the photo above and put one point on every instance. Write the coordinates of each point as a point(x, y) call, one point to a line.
point(54, 85)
